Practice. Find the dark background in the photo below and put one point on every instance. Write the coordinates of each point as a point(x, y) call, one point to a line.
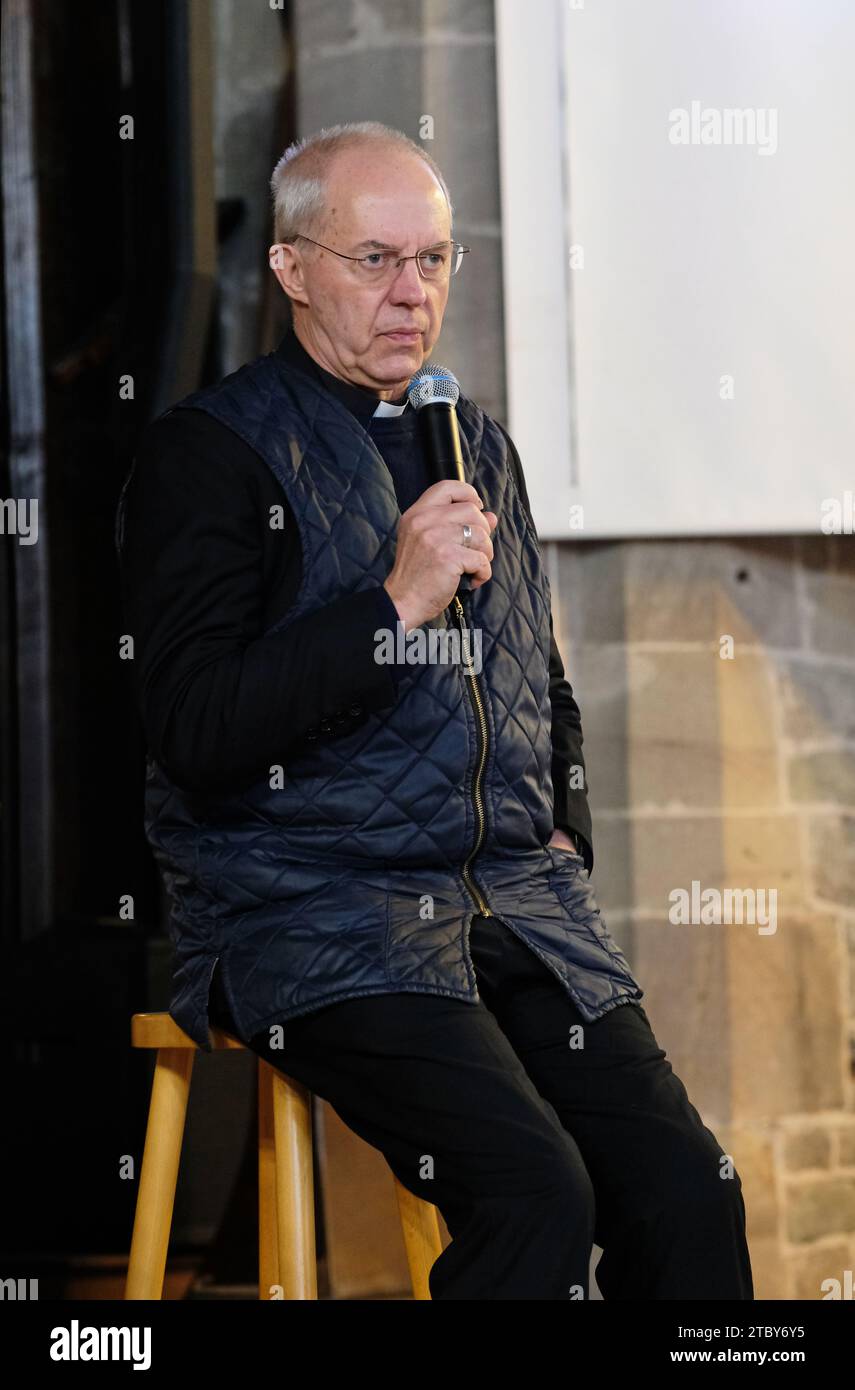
point(126, 289)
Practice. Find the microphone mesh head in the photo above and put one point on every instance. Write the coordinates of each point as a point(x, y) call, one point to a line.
point(433, 383)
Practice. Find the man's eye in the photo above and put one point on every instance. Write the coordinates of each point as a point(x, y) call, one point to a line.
point(375, 260)
point(436, 258)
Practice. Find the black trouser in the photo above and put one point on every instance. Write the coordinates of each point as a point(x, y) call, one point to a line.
point(533, 1148)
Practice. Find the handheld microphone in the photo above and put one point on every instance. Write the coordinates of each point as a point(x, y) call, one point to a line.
point(433, 392)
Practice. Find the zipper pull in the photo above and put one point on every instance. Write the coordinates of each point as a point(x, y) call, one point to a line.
point(464, 638)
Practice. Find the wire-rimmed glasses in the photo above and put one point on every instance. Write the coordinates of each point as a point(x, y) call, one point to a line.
point(436, 263)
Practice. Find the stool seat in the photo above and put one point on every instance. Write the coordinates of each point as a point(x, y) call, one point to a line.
point(286, 1215)
point(161, 1030)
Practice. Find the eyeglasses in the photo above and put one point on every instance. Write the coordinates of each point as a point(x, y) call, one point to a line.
point(435, 263)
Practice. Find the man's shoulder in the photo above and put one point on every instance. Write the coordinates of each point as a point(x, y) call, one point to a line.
point(182, 424)
point(254, 384)
point(188, 430)
point(188, 446)
point(201, 417)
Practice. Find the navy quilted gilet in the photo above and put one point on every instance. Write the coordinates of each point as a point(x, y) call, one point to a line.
point(343, 872)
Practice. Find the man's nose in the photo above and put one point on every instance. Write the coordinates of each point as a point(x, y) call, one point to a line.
point(408, 287)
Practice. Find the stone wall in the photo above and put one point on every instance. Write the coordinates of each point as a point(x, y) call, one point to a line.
point(734, 773)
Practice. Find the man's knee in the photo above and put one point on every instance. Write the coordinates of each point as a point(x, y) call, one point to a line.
point(559, 1181)
point(704, 1183)
point(552, 1179)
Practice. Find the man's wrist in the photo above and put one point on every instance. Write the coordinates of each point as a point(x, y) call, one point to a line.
point(404, 608)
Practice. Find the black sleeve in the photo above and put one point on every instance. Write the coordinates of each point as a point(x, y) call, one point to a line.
point(572, 813)
point(220, 701)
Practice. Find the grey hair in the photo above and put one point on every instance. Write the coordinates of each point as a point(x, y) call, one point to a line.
point(298, 182)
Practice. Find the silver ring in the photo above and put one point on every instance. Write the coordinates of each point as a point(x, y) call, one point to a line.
point(467, 534)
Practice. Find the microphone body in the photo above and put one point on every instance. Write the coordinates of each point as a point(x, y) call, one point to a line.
point(442, 437)
point(433, 392)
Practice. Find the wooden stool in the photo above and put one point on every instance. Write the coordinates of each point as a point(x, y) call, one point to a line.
point(286, 1215)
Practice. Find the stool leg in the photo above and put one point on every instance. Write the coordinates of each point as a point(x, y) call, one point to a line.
point(295, 1206)
point(422, 1241)
point(268, 1228)
point(159, 1173)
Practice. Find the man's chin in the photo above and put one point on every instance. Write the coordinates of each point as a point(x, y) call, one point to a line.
point(397, 362)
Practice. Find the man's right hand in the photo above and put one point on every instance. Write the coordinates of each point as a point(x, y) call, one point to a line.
point(431, 556)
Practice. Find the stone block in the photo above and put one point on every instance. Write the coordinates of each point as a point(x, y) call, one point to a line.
point(400, 85)
point(831, 864)
point(591, 581)
point(319, 26)
point(828, 564)
point(673, 729)
point(816, 699)
point(459, 92)
point(827, 775)
point(787, 1025)
point(753, 1150)
point(747, 724)
point(815, 1208)
point(845, 1136)
point(385, 85)
point(756, 1020)
point(377, 22)
point(689, 591)
point(767, 1268)
point(476, 297)
point(807, 1148)
point(720, 852)
point(450, 17)
point(600, 682)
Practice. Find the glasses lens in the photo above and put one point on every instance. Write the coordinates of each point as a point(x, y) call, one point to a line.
point(437, 262)
point(377, 265)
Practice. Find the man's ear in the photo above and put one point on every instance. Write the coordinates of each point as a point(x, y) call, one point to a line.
point(286, 263)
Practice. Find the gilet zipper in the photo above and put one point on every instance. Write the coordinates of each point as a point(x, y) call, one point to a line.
point(481, 722)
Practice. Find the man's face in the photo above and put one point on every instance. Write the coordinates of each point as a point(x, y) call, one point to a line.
point(375, 335)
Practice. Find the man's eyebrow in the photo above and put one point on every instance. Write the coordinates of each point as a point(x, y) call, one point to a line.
point(385, 246)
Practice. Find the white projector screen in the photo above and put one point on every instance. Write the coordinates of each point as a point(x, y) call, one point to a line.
point(678, 214)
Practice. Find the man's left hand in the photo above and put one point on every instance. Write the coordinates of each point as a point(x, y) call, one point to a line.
point(561, 840)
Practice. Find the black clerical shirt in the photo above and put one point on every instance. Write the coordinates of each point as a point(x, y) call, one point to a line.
point(204, 576)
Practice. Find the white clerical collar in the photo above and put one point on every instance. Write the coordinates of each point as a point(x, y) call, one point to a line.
point(387, 408)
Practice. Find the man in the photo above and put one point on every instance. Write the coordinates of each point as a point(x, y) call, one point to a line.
point(385, 869)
